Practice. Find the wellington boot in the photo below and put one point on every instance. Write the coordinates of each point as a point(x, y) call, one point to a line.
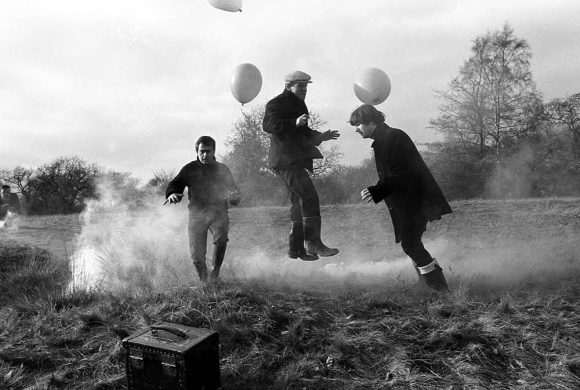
point(314, 244)
point(219, 252)
point(296, 243)
point(323, 250)
point(436, 280)
point(302, 255)
point(421, 281)
point(201, 269)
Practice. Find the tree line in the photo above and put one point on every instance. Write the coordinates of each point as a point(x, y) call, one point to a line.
point(499, 139)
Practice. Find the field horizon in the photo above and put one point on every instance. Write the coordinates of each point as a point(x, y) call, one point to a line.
point(355, 321)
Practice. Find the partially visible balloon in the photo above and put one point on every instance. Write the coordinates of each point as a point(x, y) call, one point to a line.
point(227, 5)
point(246, 82)
point(372, 86)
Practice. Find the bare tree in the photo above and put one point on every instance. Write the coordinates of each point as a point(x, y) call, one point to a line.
point(565, 113)
point(489, 103)
point(248, 146)
point(160, 180)
point(493, 103)
point(329, 164)
point(63, 185)
point(20, 179)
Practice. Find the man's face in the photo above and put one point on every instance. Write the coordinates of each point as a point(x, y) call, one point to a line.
point(205, 153)
point(299, 89)
point(366, 131)
point(5, 191)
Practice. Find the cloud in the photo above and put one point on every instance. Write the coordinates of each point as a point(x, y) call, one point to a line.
point(131, 84)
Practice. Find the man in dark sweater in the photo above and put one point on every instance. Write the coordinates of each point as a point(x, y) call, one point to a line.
point(292, 150)
point(210, 188)
point(407, 187)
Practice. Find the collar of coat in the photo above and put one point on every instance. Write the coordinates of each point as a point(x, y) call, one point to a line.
point(211, 164)
point(380, 132)
point(290, 95)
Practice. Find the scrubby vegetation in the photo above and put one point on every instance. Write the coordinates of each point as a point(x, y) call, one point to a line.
point(510, 322)
point(271, 337)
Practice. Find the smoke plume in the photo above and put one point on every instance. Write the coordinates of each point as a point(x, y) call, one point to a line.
point(500, 243)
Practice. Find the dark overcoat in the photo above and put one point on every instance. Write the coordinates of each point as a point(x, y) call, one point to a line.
point(405, 182)
point(290, 146)
point(11, 202)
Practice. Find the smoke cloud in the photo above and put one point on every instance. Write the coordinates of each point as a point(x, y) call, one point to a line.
point(483, 242)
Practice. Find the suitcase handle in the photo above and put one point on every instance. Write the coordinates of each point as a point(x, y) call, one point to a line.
point(170, 329)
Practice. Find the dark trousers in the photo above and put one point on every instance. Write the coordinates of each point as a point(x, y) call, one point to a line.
point(412, 244)
point(303, 195)
point(200, 221)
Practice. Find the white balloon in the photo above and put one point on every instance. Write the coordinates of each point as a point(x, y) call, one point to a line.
point(246, 82)
point(227, 5)
point(372, 86)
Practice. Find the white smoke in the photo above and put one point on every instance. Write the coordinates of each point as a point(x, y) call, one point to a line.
point(122, 247)
point(11, 221)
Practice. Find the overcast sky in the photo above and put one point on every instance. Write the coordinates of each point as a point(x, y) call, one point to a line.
point(130, 84)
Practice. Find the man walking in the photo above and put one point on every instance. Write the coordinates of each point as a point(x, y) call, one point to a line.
point(292, 150)
point(407, 187)
point(8, 202)
point(210, 188)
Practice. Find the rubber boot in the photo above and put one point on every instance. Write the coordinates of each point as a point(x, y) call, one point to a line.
point(296, 243)
point(201, 269)
point(419, 275)
point(433, 276)
point(314, 245)
point(219, 251)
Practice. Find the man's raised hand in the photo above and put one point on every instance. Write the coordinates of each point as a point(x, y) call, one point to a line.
point(302, 120)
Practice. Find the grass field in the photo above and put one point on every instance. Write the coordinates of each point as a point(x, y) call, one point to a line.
point(354, 321)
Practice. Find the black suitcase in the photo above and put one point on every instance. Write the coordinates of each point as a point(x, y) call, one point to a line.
point(168, 356)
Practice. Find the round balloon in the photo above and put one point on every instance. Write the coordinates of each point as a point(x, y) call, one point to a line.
point(372, 86)
point(227, 5)
point(245, 82)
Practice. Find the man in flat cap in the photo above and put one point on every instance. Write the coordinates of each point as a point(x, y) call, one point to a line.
point(292, 150)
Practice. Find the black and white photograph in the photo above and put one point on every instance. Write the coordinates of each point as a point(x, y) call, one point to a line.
point(245, 194)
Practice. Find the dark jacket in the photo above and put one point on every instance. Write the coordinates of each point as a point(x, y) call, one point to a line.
point(10, 202)
point(208, 185)
point(405, 182)
point(290, 146)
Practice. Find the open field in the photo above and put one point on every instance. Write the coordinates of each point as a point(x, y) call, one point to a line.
point(354, 321)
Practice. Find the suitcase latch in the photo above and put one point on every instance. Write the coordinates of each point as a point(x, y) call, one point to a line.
point(169, 366)
point(136, 358)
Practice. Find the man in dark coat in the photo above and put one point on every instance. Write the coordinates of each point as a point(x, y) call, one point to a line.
point(407, 187)
point(8, 202)
point(292, 150)
point(210, 187)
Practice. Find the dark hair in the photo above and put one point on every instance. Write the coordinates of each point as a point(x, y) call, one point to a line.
point(366, 114)
point(5, 187)
point(206, 140)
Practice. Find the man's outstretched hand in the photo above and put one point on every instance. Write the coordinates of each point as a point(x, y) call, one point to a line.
point(174, 198)
point(330, 135)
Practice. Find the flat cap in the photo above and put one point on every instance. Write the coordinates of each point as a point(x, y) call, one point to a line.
point(297, 76)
